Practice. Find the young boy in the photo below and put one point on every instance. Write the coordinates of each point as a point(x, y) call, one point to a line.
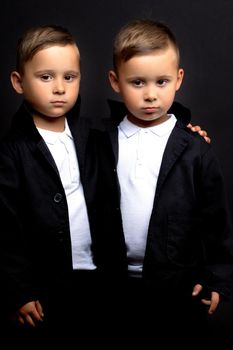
point(176, 234)
point(47, 266)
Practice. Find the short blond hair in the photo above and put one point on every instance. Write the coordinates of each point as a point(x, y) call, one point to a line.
point(39, 38)
point(142, 36)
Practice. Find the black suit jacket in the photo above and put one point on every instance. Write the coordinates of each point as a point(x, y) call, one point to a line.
point(190, 237)
point(35, 243)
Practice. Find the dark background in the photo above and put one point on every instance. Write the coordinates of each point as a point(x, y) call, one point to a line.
point(204, 29)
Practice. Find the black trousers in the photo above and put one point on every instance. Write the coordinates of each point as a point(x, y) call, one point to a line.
point(95, 312)
point(73, 314)
point(152, 319)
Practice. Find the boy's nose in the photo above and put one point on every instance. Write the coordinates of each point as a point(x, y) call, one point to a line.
point(150, 94)
point(59, 88)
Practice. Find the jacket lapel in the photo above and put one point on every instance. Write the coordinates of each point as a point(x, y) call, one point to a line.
point(172, 152)
point(80, 133)
point(47, 155)
point(113, 134)
point(79, 128)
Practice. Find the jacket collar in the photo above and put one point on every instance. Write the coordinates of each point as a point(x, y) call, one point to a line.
point(23, 126)
point(22, 122)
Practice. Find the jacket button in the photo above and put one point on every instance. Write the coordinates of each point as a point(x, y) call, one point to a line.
point(60, 236)
point(57, 198)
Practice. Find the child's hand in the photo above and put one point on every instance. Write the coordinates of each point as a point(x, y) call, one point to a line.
point(201, 132)
point(30, 313)
point(212, 302)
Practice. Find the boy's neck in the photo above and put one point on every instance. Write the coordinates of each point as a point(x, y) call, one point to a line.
point(56, 124)
point(147, 123)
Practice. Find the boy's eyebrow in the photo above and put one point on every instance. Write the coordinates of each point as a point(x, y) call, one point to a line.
point(165, 76)
point(135, 77)
point(145, 77)
point(76, 72)
point(52, 71)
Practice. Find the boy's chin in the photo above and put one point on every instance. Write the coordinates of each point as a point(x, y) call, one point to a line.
point(148, 119)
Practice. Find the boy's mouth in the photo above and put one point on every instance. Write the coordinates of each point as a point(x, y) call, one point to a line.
point(150, 109)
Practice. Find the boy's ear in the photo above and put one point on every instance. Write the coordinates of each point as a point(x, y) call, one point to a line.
point(114, 80)
point(180, 77)
point(16, 82)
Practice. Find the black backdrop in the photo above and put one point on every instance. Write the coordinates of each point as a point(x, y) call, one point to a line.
point(204, 29)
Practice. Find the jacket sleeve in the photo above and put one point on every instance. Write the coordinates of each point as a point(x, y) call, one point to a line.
point(217, 229)
point(15, 270)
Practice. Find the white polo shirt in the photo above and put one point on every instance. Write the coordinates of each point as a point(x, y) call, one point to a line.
point(61, 146)
point(140, 156)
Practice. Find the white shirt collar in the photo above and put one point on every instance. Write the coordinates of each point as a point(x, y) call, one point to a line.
point(129, 129)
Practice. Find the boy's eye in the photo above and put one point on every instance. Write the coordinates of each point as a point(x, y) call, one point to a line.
point(137, 82)
point(69, 77)
point(46, 77)
point(162, 82)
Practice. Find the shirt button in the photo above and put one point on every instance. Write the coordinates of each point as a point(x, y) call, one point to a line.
point(57, 198)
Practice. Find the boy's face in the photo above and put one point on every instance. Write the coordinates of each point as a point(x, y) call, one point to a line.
point(147, 85)
point(51, 80)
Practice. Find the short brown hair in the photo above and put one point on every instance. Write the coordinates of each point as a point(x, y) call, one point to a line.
point(139, 37)
point(38, 38)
